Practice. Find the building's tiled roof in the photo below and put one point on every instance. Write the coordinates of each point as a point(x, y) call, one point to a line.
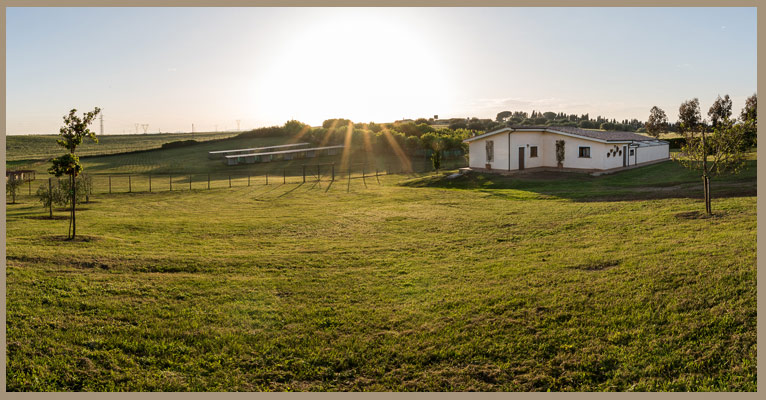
point(603, 135)
point(608, 136)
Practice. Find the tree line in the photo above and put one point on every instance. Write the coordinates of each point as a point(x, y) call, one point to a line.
point(584, 121)
point(412, 138)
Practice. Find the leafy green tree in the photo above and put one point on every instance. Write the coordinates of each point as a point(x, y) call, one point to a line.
point(457, 123)
point(53, 194)
point(72, 134)
point(720, 110)
point(436, 157)
point(293, 127)
point(712, 153)
point(657, 122)
point(503, 115)
point(411, 144)
point(749, 118)
point(424, 128)
point(689, 115)
point(12, 186)
point(335, 122)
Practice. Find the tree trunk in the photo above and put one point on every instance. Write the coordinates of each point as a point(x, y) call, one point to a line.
point(74, 199)
point(708, 208)
point(705, 178)
point(50, 197)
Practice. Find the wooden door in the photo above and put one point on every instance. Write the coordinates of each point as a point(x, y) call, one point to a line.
point(521, 158)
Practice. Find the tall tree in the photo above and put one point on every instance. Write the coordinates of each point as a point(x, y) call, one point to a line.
point(72, 135)
point(749, 117)
point(657, 122)
point(712, 153)
point(720, 110)
point(503, 115)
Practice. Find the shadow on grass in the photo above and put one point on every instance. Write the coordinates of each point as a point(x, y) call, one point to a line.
point(659, 181)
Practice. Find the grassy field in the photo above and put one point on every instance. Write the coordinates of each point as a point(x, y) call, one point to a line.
point(550, 282)
point(23, 150)
point(194, 160)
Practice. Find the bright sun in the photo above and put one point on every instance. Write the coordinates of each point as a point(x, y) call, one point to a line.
point(362, 69)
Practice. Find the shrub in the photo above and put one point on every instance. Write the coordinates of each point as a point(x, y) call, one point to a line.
point(270, 131)
point(12, 186)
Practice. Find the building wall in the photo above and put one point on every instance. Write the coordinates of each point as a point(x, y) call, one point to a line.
point(478, 155)
point(602, 155)
point(652, 153)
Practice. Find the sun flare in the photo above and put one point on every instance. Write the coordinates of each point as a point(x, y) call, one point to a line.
point(363, 69)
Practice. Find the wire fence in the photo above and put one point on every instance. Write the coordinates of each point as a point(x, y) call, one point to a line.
point(306, 173)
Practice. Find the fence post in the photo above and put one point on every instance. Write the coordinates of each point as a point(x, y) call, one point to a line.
point(304, 173)
point(171, 182)
point(150, 183)
point(376, 174)
point(208, 181)
point(248, 180)
point(30, 187)
point(333, 172)
point(190, 182)
point(318, 173)
point(229, 181)
point(110, 184)
point(284, 175)
point(130, 185)
point(267, 178)
point(50, 195)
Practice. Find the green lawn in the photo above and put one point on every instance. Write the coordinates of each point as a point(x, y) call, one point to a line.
point(24, 150)
point(194, 160)
point(557, 282)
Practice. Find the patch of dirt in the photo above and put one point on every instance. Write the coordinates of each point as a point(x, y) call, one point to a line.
point(78, 238)
point(597, 265)
point(698, 215)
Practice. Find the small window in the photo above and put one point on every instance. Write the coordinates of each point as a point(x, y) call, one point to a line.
point(631, 152)
point(584, 152)
point(533, 151)
point(490, 151)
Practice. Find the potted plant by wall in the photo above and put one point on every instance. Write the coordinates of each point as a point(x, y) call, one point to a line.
point(560, 153)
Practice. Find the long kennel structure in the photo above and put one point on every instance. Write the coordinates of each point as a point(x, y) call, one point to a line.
point(251, 158)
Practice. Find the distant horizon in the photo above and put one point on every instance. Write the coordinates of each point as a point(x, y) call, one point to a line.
point(263, 66)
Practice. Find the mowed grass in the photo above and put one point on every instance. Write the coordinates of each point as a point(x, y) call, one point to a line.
point(195, 160)
point(563, 282)
point(24, 150)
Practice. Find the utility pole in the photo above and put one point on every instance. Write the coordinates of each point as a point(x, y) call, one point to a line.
point(238, 121)
point(145, 127)
point(137, 128)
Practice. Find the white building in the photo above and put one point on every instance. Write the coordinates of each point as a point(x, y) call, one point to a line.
point(526, 147)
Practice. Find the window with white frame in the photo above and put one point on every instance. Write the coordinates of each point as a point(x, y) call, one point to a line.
point(584, 152)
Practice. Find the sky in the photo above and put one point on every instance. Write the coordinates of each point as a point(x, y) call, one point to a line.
point(170, 68)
